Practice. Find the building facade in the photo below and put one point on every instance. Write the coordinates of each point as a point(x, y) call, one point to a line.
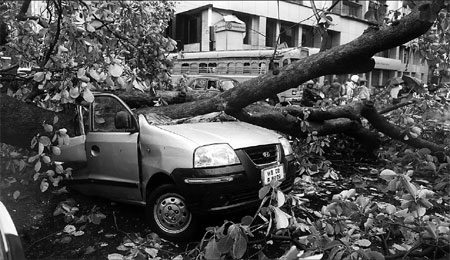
point(242, 25)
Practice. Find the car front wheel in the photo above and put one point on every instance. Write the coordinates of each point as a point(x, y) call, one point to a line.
point(168, 214)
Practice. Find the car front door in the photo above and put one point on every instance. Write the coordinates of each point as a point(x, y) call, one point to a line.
point(112, 150)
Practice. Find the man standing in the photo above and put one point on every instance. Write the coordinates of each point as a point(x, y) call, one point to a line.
point(350, 86)
point(362, 92)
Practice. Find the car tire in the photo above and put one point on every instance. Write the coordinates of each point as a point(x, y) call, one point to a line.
point(168, 214)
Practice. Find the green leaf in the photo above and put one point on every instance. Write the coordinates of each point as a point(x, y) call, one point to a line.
point(44, 185)
point(239, 247)
point(81, 72)
point(152, 252)
point(61, 48)
point(94, 75)
point(96, 24)
point(50, 173)
point(246, 220)
point(137, 85)
point(89, 250)
point(121, 82)
point(48, 128)
point(37, 166)
point(280, 198)
point(66, 140)
point(115, 70)
point(390, 209)
point(33, 142)
point(16, 195)
point(281, 218)
point(74, 92)
point(46, 159)
point(39, 76)
point(88, 96)
point(363, 243)
point(115, 256)
point(388, 175)
point(424, 151)
point(90, 28)
point(263, 191)
point(22, 165)
point(84, 79)
point(211, 250)
point(44, 140)
point(59, 168)
point(56, 150)
point(109, 81)
point(225, 244)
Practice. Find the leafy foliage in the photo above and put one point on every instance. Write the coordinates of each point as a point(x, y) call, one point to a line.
point(74, 48)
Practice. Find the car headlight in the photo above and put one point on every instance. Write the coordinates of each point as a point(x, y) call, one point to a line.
point(287, 148)
point(215, 155)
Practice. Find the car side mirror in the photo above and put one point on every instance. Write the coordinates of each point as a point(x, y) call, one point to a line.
point(123, 120)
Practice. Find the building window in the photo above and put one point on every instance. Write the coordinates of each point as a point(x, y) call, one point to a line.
point(203, 68)
point(192, 32)
point(247, 19)
point(288, 34)
point(404, 54)
point(310, 37)
point(184, 67)
point(231, 68)
point(188, 29)
point(271, 32)
point(348, 8)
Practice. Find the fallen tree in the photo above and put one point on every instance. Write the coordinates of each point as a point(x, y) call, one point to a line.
point(241, 102)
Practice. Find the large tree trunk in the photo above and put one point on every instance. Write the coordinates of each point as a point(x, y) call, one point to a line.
point(19, 120)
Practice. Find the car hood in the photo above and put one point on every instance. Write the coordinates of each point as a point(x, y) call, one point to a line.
point(236, 134)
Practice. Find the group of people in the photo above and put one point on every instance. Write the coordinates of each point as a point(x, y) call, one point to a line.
point(353, 89)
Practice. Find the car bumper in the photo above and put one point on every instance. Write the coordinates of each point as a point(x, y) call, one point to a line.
point(228, 188)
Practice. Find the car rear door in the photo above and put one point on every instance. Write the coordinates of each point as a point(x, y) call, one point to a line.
point(112, 151)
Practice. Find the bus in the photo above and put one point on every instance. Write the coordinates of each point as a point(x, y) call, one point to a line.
point(240, 65)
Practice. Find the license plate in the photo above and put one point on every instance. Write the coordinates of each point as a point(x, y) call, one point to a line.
point(272, 173)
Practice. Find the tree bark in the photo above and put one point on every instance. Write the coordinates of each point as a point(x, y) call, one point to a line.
point(20, 121)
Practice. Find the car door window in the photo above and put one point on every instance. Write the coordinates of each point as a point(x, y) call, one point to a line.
point(105, 110)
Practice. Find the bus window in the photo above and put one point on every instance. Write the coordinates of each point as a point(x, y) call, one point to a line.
point(231, 68)
point(203, 68)
point(239, 68)
point(184, 67)
point(254, 68)
point(194, 68)
point(247, 69)
point(222, 68)
point(262, 68)
point(212, 67)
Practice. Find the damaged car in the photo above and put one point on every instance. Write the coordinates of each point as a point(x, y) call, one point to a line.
point(178, 172)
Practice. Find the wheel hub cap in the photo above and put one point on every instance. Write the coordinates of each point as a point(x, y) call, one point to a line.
point(172, 215)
